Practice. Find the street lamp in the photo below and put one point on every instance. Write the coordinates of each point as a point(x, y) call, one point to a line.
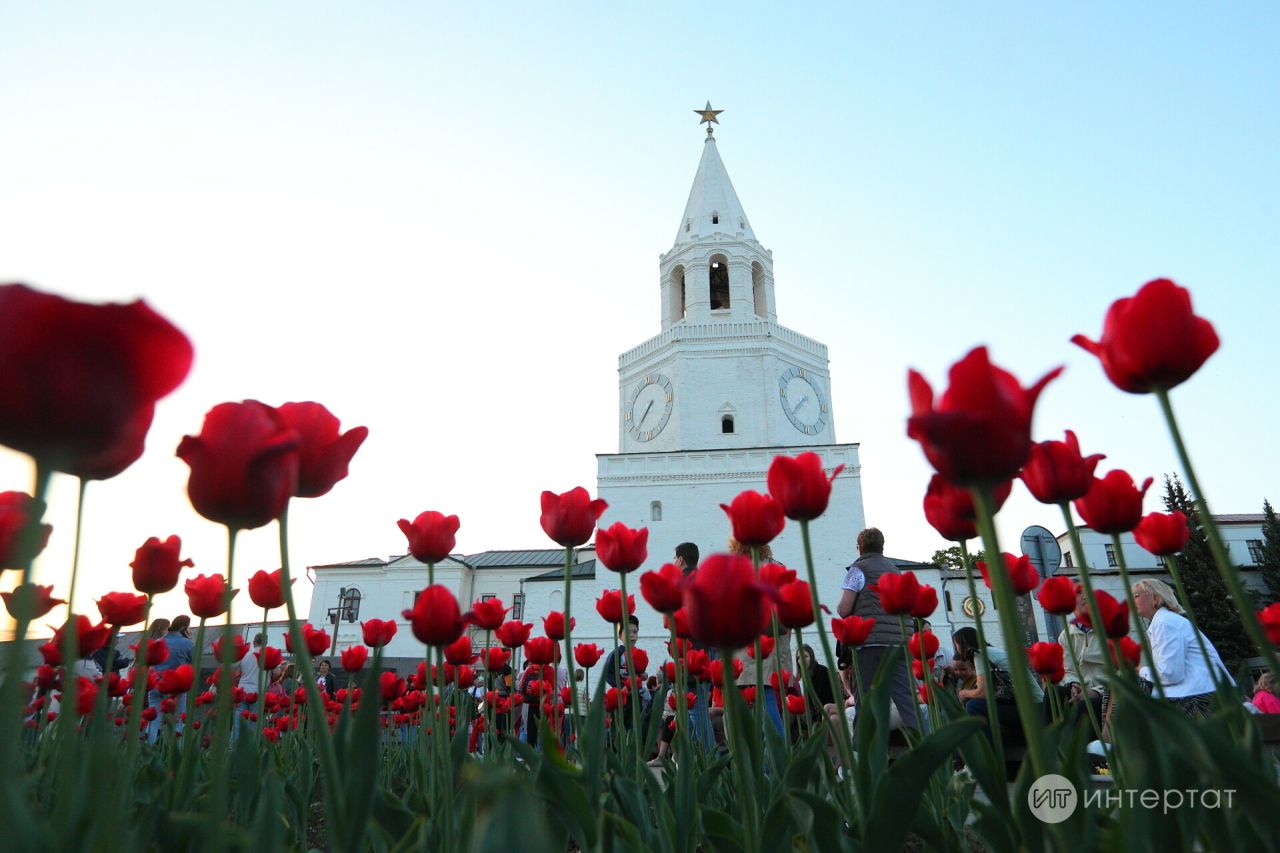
point(348, 609)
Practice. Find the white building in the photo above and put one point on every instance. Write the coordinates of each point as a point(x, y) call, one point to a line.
point(703, 408)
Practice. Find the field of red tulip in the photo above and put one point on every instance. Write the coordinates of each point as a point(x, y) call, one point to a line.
point(166, 761)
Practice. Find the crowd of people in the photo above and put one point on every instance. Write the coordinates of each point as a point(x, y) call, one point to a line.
point(1183, 668)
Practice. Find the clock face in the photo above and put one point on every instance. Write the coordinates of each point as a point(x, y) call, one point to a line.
point(650, 407)
point(800, 393)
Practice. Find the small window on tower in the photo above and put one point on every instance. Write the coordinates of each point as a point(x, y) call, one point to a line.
point(715, 219)
point(688, 225)
point(726, 424)
point(655, 511)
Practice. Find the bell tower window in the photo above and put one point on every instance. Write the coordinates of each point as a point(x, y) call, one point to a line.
point(757, 290)
point(675, 295)
point(719, 283)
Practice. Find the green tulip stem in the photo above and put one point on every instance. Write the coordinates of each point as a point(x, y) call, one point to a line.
point(1002, 586)
point(844, 738)
point(1138, 620)
point(1230, 577)
point(328, 756)
point(1171, 564)
point(632, 676)
point(568, 634)
point(988, 689)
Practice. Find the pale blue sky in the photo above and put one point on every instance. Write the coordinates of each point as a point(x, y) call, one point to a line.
point(445, 224)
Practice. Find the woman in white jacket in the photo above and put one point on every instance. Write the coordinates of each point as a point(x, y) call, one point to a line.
point(1186, 661)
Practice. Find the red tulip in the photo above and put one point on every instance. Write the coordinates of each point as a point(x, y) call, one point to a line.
point(458, 653)
point(19, 545)
point(238, 649)
point(1113, 504)
point(795, 605)
point(488, 614)
point(1152, 341)
point(325, 452)
point(569, 518)
point(1046, 658)
point(756, 519)
point(852, 630)
point(157, 651)
point(553, 624)
point(614, 698)
point(766, 643)
point(156, 565)
point(205, 594)
point(513, 635)
point(920, 668)
point(391, 686)
point(696, 662)
point(315, 639)
point(662, 589)
point(776, 575)
point(39, 600)
point(1163, 534)
point(716, 670)
point(980, 432)
point(1269, 616)
point(898, 593)
point(269, 658)
point(1056, 473)
point(354, 658)
point(244, 465)
point(639, 660)
point(1125, 649)
point(926, 602)
point(609, 606)
point(431, 535)
point(435, 617)
point(1115, 615)
point(176, 680)
point(949, 508)
point(800, 485)
point(726, 606)
point(1058, 595)
point(378, 632)
point(679, 620)
point(51, 652)
point(795, 705)
point(622, 549)
point(79, 382)
point(266, 589)
point(928, 640)
point(122, 608)
point(539, 650)
point(495, 659)
point(89, 637)
point(587, 654)
point(1022, 574)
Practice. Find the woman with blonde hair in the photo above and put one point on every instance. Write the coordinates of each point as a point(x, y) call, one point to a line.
point(1186, 662)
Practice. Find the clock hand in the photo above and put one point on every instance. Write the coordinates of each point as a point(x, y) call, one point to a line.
point(645, 415)
point(803, 400)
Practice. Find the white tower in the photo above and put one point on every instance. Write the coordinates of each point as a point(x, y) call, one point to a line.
point(723, 388)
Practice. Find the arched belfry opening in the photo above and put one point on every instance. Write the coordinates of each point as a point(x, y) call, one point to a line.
point(759, 299)
point(676, 295)
point(719, 283)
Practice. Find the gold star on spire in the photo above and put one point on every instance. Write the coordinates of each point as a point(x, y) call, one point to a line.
point(709, 117)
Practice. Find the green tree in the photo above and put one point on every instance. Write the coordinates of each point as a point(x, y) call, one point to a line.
point(1270, 551)
point(1218, 616)
point(949, 558)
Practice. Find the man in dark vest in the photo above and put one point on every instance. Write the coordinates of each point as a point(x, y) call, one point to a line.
point(861, 598)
